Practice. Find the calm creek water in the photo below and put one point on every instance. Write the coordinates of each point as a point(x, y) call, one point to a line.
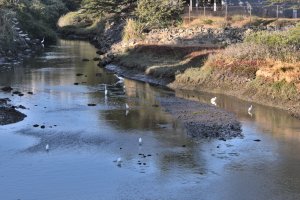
point(85, 141)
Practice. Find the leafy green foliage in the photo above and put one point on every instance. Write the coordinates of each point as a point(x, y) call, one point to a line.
point(159, 13)
point(101, 7)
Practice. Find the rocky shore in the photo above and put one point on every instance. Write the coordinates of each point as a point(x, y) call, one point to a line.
point(8, 113)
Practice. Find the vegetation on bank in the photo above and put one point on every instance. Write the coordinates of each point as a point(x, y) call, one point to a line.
point(37, 19)
point(266, 67)
point(141, 16)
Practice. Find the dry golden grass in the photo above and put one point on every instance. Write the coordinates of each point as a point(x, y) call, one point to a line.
point(163, 60)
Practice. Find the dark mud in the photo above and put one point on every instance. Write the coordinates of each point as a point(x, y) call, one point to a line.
point(201, 120)
point(8, 113)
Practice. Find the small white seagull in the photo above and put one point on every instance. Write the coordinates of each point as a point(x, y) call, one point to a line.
point(140, 141)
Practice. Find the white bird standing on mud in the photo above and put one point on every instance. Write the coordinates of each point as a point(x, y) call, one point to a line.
point(119, 162)
point(213, 101)
point(140, 141)
point(126, 106)
point(249, 110)
point(47, 147)
point(42, 42)
point(105, 90)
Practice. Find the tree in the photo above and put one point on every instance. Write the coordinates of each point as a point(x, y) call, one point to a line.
point(100, 7)
point(159, 13)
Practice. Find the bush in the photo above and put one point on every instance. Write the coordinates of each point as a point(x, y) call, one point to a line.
point(159, 13)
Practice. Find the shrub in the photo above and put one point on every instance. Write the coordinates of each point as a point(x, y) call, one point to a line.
point(159, 13)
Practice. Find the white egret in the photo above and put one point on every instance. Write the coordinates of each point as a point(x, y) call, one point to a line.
point(249, 110)
point(119, 162)
point(47, 147)
point(105, 90)
point(127, 107)
point(140, 141)
point(213, 101)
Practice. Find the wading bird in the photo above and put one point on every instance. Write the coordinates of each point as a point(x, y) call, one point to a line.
point(47, 147)
point(249, 110)
point(140, 141)
point(213, 101)
point(105, 90)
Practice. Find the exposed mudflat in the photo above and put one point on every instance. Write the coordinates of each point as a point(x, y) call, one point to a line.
point(8, 113)
point(202, 120)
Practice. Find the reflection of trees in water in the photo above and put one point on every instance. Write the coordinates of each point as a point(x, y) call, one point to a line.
point(143, 113)
point(277, 122)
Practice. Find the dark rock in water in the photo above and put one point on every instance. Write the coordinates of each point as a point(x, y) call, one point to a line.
point(30, 93)
point(155, 105)
point(16, 92)
point(3, 102)
point(10, 115)
point(21, 94)
point(76, 83)
point(100, 52)
point(100, 64)
point(98, 74)
point(257, 140)
point(96, 59)
point(92, 104)
point(42, 127)
point(149, 155)
point(21, 107)
point(36, 125)
point(79, 74)
point(85, 60)
point(183, 145)
point(7, 89)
